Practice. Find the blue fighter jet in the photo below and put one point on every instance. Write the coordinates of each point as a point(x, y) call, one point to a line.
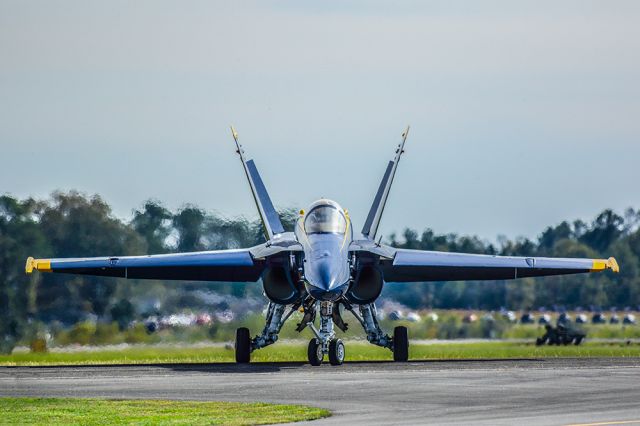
point(323, 267)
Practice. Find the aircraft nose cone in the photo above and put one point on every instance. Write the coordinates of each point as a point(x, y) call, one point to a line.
point(322, 284)
point(326, 295)
point(324, 278)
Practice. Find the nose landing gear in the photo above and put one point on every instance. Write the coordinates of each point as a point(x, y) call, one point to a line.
point(325, 341)
point(315, 353)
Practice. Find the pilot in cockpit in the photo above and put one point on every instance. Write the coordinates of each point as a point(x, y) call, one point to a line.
point(325, 219)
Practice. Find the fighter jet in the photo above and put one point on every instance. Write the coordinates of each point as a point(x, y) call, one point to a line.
point(321, 268)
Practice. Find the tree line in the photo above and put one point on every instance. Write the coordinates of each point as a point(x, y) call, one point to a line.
point(71, 224)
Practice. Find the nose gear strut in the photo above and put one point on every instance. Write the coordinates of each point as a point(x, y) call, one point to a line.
point(325, 341)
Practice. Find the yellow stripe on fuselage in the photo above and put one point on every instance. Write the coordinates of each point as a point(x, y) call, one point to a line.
point(346, 229)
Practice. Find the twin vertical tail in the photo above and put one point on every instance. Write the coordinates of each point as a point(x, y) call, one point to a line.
point(375, 213)
point(268, 215)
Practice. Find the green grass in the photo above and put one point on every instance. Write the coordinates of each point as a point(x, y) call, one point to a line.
point(520, 350)
point(355, 351)
point(117, 412)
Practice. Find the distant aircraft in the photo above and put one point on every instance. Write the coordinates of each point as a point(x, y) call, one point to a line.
point(319, 267)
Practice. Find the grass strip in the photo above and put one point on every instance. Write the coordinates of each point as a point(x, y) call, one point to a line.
point(158, 412)
point(297, 352)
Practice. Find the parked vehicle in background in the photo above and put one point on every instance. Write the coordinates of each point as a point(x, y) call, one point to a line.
point(581, 319)
point(527, 318)
point(561, 335)
point(544, 319)
point(413, 317)
point(509, 316)
point(564, 318)
point(470, 318)
point(599, 318)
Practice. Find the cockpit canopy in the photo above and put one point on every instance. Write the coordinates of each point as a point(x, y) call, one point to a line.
point(325, 218)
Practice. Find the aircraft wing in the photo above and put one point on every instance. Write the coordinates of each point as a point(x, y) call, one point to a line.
point(419, 265)
point(221, 265)
point(403, 265)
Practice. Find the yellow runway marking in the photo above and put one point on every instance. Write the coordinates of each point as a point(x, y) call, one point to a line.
point(619, 422)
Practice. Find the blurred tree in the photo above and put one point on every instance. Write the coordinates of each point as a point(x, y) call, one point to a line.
point(20, 236)
point(79, 226)
point(189, 223)
point(552, 234)
point(153, 223)
point(123, 313)
point(605, 229)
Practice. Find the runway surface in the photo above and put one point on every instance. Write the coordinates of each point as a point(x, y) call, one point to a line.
point(553, 392)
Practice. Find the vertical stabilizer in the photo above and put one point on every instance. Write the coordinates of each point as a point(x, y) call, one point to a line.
point(375, 213)
point(268, 214)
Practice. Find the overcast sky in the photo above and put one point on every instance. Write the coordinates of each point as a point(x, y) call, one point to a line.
point(522, 114)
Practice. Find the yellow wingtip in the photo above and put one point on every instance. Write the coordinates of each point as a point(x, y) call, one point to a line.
point(42, 265)
point(234, 133)
point(602, 264)
point(28, 268)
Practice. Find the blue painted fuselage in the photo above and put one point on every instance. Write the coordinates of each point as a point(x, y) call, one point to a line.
point(325, 234)
point(326, 266)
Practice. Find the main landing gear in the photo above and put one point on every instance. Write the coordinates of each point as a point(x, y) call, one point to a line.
point(400, 344)
point(243, 345)
point(276, 318)
point(368, 318)
point(325, 342)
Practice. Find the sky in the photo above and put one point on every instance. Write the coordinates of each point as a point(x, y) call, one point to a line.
point(522, 114)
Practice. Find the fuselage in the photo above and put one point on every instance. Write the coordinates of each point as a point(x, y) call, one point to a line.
point(325, 232)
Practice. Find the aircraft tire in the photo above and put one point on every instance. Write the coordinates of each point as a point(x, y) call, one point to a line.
point(400, 344)
point(243, 346)
point(336, 352)
point(314, 353)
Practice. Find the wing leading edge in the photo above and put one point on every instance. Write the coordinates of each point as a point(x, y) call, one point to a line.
point(419, 265)
point(222, 265)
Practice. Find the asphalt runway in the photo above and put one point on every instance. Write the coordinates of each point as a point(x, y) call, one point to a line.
point(540, 392)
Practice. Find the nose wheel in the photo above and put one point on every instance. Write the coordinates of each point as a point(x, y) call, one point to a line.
point(315, 353)
point(336, 352)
